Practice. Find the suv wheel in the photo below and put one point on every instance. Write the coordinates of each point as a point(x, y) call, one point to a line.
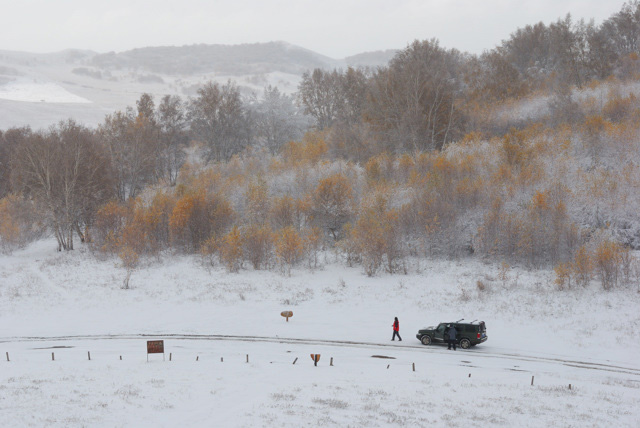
point(426, 339)
point(465, 343)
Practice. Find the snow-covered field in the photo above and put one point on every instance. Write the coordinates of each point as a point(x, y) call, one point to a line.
point(33, 91)
point(587, 338)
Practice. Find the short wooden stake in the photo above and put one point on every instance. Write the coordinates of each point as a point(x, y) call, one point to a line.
point(469, 374)
point(531, 380)
point(53, 358)
point(89, 355)
point(569, 386)
point(197, 358)
point(331, 362)
point(169, 356)
point(414, 367)
point(388, 366)
point(7, 356)
point(247, 358)
point(294, 361)
point(221, 359)
point(120, 357)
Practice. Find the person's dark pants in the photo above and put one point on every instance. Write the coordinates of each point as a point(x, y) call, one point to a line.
point(395, 333)
point(452, 342)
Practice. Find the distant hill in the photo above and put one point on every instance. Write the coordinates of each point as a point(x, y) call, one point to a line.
point(235, 60)
point(371, 59)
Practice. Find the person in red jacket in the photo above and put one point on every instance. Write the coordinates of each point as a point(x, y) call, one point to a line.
point(396, 330)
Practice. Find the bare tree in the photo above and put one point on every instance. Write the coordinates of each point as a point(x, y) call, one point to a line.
point(278, 120)
point(64, 173)
point(220, 120)
point(9, 140)
point(412, 102)
point(131, 143)
point(171, 118)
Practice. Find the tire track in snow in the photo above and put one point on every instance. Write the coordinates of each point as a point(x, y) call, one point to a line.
point(339, 343)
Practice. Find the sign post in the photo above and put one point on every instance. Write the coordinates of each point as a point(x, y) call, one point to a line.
point(287, 314)
point(155, 347)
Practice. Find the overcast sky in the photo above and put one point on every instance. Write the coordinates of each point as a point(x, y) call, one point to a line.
point(336, 28)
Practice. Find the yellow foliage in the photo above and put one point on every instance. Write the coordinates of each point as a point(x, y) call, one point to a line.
point(9, 224)
point(582, 266)
point(310, 150)
point(563, 275)
point(230, 249)
point(289, 247)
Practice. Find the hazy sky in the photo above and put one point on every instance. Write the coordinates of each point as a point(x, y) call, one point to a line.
point(336, 28)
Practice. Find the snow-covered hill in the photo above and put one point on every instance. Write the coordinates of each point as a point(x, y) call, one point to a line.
point(585, 337)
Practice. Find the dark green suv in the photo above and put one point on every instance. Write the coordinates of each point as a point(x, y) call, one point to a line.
point(468, 333)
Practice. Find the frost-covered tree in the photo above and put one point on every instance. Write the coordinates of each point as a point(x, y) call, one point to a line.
point(172, 120)
point(278, 120)
point(220, 120)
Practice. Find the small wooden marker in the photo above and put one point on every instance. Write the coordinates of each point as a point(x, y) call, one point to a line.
point(120, 357)
point(294, 361)
point(331, 362)
point(469, 374)
point(531, 380)
point(388, 366)
point(221, 359)
point(89, 355)
point(414, 367)
point(247, 358)
point(197, 358)
point(169, 356)
point(7, 356)
point(53, 358)
point(569, 386)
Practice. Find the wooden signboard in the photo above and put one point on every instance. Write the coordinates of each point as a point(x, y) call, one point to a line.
point(315, 358)
point(155, 347)
point(287, 314)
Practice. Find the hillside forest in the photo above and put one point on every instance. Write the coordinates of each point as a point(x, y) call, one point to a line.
point(528, 154)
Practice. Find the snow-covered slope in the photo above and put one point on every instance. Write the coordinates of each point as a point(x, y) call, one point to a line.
point(587, 338)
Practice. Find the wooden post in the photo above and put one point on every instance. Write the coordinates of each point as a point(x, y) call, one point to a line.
point(247, 358)
point(388, 366)
point(469, 374)
point(53, 358)
point(414, 367)
point(197, 357)
point(121, 357)
point(7, 356)
point(569, 386)
point(169, 356)
point(294, 361)
point(331, 362)
point(89, 355)
point(531, 380)
point(221, 359)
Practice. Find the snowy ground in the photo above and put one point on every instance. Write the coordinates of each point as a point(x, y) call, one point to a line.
point(587, 338)
point(30, 91)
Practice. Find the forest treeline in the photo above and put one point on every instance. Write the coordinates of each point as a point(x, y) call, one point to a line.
point(527, 154)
